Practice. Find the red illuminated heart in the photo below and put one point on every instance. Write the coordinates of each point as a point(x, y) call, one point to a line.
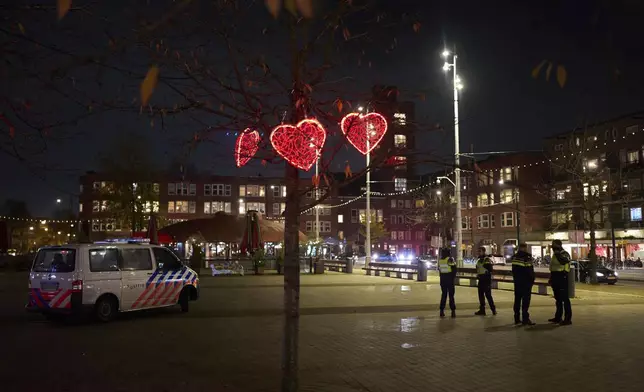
point(246, 146)
point(299, 145)
point(360, 129)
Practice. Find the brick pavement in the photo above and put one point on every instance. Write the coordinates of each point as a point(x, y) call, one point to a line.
point(356, 334)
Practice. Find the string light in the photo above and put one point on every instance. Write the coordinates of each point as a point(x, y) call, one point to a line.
point(362, 130)
point(246, 146)
point(299, 145)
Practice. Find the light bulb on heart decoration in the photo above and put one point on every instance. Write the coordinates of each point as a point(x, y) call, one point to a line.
point(246, 146)
point(359, 128)
point(301, 144)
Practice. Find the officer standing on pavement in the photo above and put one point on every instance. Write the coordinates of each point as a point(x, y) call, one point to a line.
point(523, 277)
point(484, 275)
point(559, 270)
point(447, 269)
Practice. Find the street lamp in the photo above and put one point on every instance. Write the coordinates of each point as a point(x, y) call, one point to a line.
point(457, 85)
point(58, 201)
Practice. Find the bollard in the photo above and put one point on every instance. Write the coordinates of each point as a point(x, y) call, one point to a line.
point(349, 268)
point(422, 271)
point(571, 282)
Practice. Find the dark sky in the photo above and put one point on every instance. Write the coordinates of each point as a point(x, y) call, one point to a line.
point(502, 107)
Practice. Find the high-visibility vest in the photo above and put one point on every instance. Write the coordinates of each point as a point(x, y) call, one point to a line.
point(480, 265)
point(521, 263)
point(555, 266)
point(445, 265)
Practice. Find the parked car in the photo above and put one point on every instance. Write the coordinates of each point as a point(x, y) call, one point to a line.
point(604, 274)
point(384, 258)
point(431, 262)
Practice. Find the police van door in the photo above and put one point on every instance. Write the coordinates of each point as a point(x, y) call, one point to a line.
point(137, 273)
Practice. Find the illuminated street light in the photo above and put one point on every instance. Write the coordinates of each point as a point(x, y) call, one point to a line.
point(46, 229)
point(31, 228)
point(445, 53)
point(59, 233)
point(501, 181)
point(438, 192)
point(360, 108)
point(58, 201)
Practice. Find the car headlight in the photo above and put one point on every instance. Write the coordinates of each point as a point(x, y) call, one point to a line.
point(615, 273)
point(600, 274)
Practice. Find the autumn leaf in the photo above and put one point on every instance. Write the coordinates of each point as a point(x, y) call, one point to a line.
point(338, 104)
point(21, 28)
point(548, 71)
point(149, 84)
point(416, 27)
point(537, 69)
point(274, 7)
point(305, 7)
point(63, 7)
point(562, 76)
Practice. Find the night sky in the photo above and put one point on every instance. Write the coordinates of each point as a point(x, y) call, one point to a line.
point(502, 106)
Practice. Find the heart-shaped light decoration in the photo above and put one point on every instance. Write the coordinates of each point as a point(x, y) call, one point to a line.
point(299, 145)
point(246, 146)
point(364, 129)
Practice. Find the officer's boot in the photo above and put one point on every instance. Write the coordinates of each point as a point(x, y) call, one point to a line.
point(481, 312)
point(517, 319)
point(442, 314)
point(453, 314)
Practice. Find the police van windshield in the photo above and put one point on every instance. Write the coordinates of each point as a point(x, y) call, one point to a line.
point(55, 260)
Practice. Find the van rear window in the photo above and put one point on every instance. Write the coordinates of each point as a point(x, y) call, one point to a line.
point(55, 260)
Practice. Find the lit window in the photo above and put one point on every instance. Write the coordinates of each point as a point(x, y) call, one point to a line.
point(340, 218)
point(400, 141)
point(636, 214)
point(400, 184)
point(483, 221)
point(420, 203)
point(506, 196)
point(633, 157)
point(278, 208)
point(400, 119)
point(506, 174)
point(482, 200)
point(507, 219)
point(400, 163)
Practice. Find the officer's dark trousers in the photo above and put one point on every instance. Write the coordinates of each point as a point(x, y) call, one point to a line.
point(562, 301)
point(485, 291)
point(522, 296)
point(447, 288)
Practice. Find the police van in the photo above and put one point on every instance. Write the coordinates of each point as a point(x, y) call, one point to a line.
point(107, 278)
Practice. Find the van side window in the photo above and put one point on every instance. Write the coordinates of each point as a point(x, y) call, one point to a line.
point(166, 259)
point(105, 259)
point(136, 259)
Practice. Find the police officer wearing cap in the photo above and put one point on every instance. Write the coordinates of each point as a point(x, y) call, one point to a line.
point(447, 270)
point(523, 277)
point(559, 271)
point(484, 275)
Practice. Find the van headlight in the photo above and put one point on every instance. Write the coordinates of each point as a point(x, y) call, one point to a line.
point(600, 274)
point(615, 273)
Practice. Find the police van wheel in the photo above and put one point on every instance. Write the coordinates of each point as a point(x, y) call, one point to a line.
point(184, 300)
point(105, 309)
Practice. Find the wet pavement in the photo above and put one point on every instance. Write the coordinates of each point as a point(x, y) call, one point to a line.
point(356, 334)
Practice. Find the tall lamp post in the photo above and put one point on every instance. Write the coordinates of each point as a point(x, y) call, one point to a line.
point(456, 81)
point(367, 240)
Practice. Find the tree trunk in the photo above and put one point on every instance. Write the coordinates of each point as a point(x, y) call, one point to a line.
point(592, 255)
point(291, 282)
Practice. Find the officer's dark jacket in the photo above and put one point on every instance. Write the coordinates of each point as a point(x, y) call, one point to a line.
point(522, 267)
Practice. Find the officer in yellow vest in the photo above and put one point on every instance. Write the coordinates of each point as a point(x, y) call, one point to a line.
point(559, 269)
point(447, 269)
point(484, 274)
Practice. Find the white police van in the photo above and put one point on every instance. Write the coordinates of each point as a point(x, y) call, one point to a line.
point(107, 278)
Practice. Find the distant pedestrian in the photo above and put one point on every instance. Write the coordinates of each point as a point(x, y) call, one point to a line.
point(523, 277)
point(447, 269)
point(484, 274)
point(559, 271)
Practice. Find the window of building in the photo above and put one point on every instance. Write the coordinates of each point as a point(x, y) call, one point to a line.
point(635, 184)
point(483, 221)
point(631, 130)
point(491, 198)
point(561, 217)
point(400, 141)
point(192, 189)
point(506, 174)
point(213, 207)
point(560, 194)
point(325, 226)
point(507, 219)
point(136, 259)
point(309, 226)
point(99, 205)
point(420, 235)
point(401, 204)
point(393, 220)
point(401, 219)
point(420, 203)
point(636, 214)
point(393, 203)
point(400, 184)
point(278, 208)
point(633, 157)
point(400, 163)
point(156, 188)
point(252, 191)
point(171, 189)
point(244, 207)
point(506, 196)
point(279, 190)
point(408, 235)
point(466, 222)
point(393, 235)
point(207, 189)
point(400, 119)
point(558, 147)
point(217, 189)
point(482, 200)
point(354, 216)
point(181, 207)
point(380, 216)
point(151, 206)
point(401, 235)
point(407, 203)
point(181, 189)
point(340, 218)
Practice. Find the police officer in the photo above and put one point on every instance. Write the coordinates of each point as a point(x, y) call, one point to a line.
point(559, 269)
point(523, 277)
point(484, 275)
point(447, 269)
